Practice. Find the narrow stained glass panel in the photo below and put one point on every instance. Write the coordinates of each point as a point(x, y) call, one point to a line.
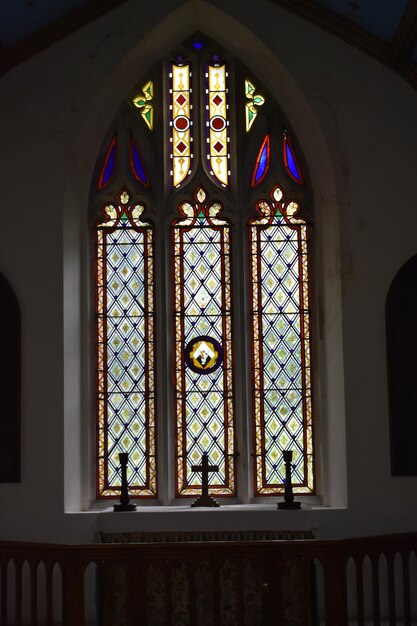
point(137, 165)
point(290, 160)
point(125, 349)
point(218, 153)
point(281, 347)
point(262, 162)
point(203, 347)
point(180, 123)
point(109, 165)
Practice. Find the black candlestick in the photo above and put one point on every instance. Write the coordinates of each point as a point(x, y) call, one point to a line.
point(288, 494)
point(124, 493)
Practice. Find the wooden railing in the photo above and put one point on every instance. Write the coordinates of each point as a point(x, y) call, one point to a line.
point(286, 583)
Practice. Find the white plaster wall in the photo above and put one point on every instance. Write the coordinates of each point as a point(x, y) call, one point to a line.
point(356, 122)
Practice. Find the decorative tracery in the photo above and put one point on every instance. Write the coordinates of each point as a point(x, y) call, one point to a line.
point(201, 137)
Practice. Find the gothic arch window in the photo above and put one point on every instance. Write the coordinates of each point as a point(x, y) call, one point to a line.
point(201, 212)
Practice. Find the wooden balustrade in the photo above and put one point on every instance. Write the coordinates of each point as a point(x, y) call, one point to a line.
point(288, 583)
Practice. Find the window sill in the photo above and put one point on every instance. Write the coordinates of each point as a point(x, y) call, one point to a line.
point(234, 517)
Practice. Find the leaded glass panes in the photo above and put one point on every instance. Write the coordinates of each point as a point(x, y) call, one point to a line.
point(253, 101)
point(180, 122)
point(290, 159)
point(203, 346)
point(198, 121)
point(282, 393)
point(125, 349)
point(217, 124)
point(109, 165)
point(144, 102)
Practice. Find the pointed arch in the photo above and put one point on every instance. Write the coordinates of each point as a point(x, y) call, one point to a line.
point(204, 17)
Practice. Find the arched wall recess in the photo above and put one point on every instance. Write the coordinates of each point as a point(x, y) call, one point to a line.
point(401, 336)
point(189, 18)
point(10, 355)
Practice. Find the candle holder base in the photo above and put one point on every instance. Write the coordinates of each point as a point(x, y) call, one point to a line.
point(289, 505)
point(124, 507)
point(205, 501)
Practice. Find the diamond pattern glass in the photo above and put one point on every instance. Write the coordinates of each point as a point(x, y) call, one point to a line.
point(180, 123)
point(202, 302)
point(218, 152)
point(125, 349)
point(282, 398)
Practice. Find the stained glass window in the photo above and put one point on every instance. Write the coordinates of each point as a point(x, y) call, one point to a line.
point(125, 348)
point(181, 122)
point(262, 162)
point(203, 346)
point(282, 393)
point(218, 153)
point(201, 143)
point(290, 159)
point(109, 165)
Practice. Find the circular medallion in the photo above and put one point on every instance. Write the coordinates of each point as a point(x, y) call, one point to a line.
point(181, 123)
point(203, 354)
point(218, 123)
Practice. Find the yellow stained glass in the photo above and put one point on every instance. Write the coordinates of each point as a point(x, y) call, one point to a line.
point(218, 123)
point(180, 123)
point(143, 102)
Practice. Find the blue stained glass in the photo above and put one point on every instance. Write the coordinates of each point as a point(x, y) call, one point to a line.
point(109, 165)
point(137, 164)
point(263, 161)
point(291, 161)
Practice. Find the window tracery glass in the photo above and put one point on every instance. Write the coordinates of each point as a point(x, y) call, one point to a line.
point(203, 166)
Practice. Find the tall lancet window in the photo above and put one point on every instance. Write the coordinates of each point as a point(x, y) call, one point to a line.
point(202, 210)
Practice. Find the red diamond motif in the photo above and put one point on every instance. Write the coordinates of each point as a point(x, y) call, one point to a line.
point(181, 146)
point(181, 100)
point(218, 146)
point(217, 100)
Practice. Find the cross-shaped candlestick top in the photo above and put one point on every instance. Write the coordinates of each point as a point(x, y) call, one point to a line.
point(205, 499)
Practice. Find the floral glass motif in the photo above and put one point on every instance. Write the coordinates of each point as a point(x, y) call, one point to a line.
point(109, 165)
point(262, 162)
point(203, 346)
point(217, 124)
point(125, 348)
point(253, 101)
point(143, 102)
point(180, 123)
point(136, 163)
point(282, 400)
point(290, 160)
